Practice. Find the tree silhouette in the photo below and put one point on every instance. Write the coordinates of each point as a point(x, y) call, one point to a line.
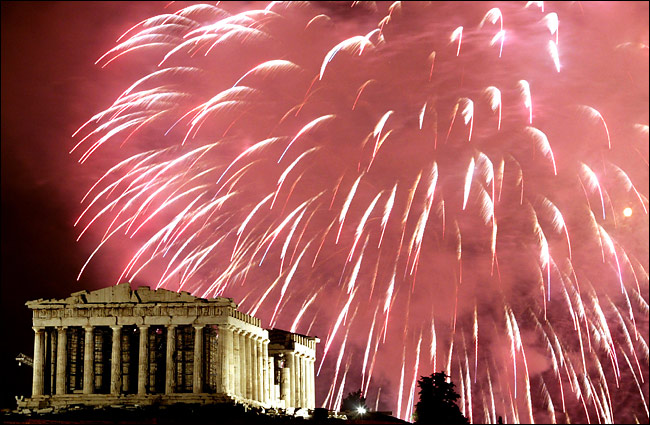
point(437, 403)
point(354, 401)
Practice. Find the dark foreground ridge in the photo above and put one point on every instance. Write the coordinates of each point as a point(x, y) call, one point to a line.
point(189, 414)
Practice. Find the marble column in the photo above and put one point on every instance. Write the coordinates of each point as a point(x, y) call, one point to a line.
point(170, 370)
point(291, 363)
point(225, 354)
point(255, 367)
point(303, 382)
point(298, 378)
point(312, 383)
point(143, 359)
point(53, 341)
point(285, 383)
point(89, 357)
point(260, 370)
point(249, 365)
point(197, 385)
point(116, 364)
point(61, 359)
point(39, 351)
point(307, 385)
point(265, 371)
point(242, 364)
point(274, 393)
point(235, 363)
point(214, 364)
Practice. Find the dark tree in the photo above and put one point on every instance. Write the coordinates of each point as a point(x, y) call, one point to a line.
point(437, 403)
point(354, 401)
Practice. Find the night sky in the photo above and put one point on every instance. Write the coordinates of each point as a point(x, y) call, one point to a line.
point(442, 157)
point(49, 85)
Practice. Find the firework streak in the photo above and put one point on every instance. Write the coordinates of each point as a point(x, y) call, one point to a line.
point(439, 184)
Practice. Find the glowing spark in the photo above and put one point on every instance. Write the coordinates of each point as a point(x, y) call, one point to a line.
point(457, 34)
point(552, 22)
point(595, 114)
point(528, 102)
point(314, 124)
point(354, 42)
point(542, 143)
point(468, 182)
point(555, 55)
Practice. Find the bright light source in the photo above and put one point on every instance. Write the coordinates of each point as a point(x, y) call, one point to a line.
point(361, 410)
point(627, 212)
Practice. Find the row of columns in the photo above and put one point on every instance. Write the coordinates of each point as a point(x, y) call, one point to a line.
point(243, 363)
point(116, 372)
point(297, 384)
point(246, 372)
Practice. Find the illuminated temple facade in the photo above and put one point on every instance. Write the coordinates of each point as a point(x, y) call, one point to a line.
point(118, 346)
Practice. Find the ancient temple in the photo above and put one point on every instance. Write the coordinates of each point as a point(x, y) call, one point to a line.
point(118, 346)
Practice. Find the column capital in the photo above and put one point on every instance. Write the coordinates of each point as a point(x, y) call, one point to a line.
point(114, 327)
point(61, 328)
point(144, 326)
point(38, 329)
point(198, 326)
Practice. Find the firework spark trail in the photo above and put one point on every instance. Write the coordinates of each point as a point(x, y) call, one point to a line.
point(201, 211)
point(342, 314)
point(468, 181)
point(314, 124)
point(362, 224)
point(495, 101)
point(401, 384)
point(524, 86)
point(457, 35)
point(555, 54)
point(346, 206)
point(493, 15)
point(339, 399)
point(543, 144)
point(372, 362)
point(416, 367)
point(365, 356)
point(338, 365)
point(475, 341)
point(361, 89)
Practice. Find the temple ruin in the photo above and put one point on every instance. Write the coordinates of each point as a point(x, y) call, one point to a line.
point(118, 346)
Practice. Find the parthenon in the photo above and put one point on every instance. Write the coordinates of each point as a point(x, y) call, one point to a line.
point(119, 346)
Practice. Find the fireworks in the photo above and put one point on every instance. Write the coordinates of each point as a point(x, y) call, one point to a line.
point(310, 164)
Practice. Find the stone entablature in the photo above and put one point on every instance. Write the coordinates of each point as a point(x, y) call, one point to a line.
point(122, 346)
